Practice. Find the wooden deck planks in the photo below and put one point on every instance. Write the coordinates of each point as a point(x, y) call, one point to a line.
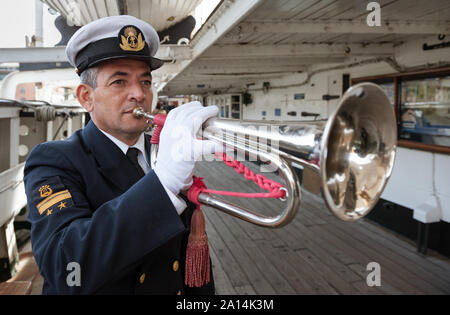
point(378, 246)
point(315, 254)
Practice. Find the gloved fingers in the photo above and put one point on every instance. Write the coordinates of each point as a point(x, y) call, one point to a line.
point(189, 121)
point(192, 110)
point(203, 113)
point(182, 110)
point(196, 119)
point(206, 112)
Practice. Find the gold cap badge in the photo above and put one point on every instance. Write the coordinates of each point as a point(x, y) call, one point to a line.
point(131, 39)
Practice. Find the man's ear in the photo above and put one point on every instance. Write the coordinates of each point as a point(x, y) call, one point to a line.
point(85, 96)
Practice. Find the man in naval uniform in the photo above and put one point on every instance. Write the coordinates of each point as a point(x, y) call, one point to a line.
point(103, 221)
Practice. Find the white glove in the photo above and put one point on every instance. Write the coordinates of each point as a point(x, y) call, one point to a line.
point(179, 147)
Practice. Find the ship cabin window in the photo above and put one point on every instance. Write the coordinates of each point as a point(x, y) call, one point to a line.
point(425, 110)
point(422, 105)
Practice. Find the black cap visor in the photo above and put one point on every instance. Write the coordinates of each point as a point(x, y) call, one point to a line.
point(109, 49)
point(153, 63)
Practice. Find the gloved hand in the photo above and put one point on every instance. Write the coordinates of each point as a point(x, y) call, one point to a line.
point(179, 147)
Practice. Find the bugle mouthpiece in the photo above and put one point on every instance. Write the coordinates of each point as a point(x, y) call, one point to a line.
point(139, 112)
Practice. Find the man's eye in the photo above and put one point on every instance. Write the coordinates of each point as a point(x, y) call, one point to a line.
point(118, 82)
point(147, 82)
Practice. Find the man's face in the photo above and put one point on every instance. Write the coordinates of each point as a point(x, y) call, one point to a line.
point(122, 85)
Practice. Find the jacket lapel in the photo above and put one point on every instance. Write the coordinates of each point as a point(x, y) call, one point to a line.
point(111, 162)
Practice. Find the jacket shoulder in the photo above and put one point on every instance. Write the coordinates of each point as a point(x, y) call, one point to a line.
point(57, 151)
point(55, 157)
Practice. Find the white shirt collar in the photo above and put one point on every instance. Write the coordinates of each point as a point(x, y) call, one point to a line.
point(140, 144)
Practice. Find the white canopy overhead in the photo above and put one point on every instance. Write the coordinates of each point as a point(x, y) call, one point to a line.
point(278, 38)
point(160, 14)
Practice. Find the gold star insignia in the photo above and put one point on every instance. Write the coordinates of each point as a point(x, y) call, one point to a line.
point(62, 205)
point(49, 212)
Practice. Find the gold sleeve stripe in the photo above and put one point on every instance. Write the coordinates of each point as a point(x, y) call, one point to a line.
point(52, 200)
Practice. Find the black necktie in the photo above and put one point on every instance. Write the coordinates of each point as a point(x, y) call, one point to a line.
point(132, 154)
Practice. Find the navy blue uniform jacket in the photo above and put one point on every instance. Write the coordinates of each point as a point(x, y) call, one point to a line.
point(88, 206)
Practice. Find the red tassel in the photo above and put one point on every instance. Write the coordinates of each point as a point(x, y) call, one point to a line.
point(197, 271)
point(197, 253)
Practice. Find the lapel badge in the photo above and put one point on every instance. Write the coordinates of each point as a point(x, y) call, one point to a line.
point(132, 39)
